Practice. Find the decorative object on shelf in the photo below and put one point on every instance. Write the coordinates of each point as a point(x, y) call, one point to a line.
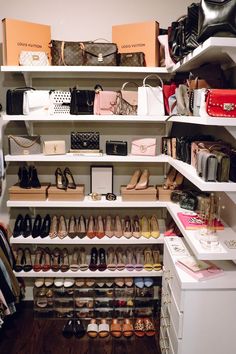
point(221, 103)
point(144, 147)
point(24, 144)
point(151, 99)
point(36, 101)
point(118, 148)
point(216, 18)
point(66, 53)
point(54, 147)
point(96, 196)
point(101, 179)
point(110, 196)
point(59, 102)
point(85, 141)
point(126, 101)
point(14, 98)
point(99, 53)
point(33, 58)
point(82, 101)
point(131, 59)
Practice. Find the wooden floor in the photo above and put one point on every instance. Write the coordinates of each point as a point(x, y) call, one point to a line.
point(26, 335)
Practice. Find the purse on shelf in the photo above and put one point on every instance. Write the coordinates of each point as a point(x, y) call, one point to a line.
point(151, 99)
point(182, 100)
point(232, 171)
point(14, 98)
point(221, 103)
point(66, 53)
point(126, 101)
point(207, 165)
point(116, 148)
point(85, 141)
point(131, 59)
point(189, 202)
point(216, 17)
point(36, 101)
point(104, 102)
point(82, 101)
point(33, 58)
point(24, 144)
point(177, 195)
point(223, 167)
point(144, 147)
point(59, 102)
point(168, 91)
point(99, 53)
point(55, 147)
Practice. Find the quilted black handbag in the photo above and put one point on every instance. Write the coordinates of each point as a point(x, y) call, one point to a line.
point(85, 141)
point(82, 101)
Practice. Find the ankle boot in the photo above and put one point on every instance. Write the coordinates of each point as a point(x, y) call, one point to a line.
point(23, 175)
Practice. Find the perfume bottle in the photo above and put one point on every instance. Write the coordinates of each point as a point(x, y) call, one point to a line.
point(209, 238)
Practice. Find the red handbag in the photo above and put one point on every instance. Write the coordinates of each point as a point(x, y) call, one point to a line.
point(221, 103)
point(168, 90)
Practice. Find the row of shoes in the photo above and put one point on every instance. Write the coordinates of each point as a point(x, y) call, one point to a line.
point(100, 259)
point(102, 328)
point(58, 226)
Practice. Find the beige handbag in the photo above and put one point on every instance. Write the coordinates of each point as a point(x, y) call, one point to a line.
point(55, 147)
point(24, 144)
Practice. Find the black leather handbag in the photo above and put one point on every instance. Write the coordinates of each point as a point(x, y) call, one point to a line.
point(15, 100)
point(85, 141)
point(216, 17)
point(82, 101)
point(116, 148)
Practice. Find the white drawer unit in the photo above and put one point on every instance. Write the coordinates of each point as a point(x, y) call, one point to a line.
point(195, 314)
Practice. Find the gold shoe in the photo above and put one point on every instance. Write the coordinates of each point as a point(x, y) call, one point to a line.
point(134, 179)
point(143, 181)
point(145, 227)
point(154, 227)
point(54, 227)
point(62, 228)
point(170, 178)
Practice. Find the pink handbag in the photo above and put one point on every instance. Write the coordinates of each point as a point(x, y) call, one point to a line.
point(144, 147)
point(104, 102)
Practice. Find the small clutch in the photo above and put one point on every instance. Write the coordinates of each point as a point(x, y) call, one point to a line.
point(144, 147)
point(116, 148)
point(55, 147)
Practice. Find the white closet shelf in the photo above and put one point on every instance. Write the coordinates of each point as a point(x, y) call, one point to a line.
point(215, 121)
point(84, 118)
point(220, 49)
point(89, 274)
point(87, 203)
point(87, 241)
point(71, 157)
point(190, 173)
point(221, 252)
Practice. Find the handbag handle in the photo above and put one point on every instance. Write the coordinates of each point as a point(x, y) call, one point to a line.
point(129, 82)
point(100, 39)
point(24, 87)
point(21, 145)
point(152, 75)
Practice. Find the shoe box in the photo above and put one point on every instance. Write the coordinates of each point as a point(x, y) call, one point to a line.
point(21, 194)
point(148, 194)
point(66, 194)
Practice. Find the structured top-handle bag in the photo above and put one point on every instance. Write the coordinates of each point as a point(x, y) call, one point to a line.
point(151, 99)
point(126, 101)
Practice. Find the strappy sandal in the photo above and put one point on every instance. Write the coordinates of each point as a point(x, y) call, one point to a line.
point(47, 260)
point(38, 260)
point(116, 328)
point(74, 265)
point(154, 227)
point(65, 260)
point(54, 227)
point(28, 261)
point(72, 227)
point(139, 259)
point(111, 259)
point(148, 259)
point(156, 260)
point(121, 258)
point(102, 260)
point(56, 259)
point(62, 227)
point(127, 227)
point(139, 328)
point(128, 328)
point(19, 260)
point(130, 265)
point(83, 264)
point(136, 227)
point(149, 327)
point(94, 259)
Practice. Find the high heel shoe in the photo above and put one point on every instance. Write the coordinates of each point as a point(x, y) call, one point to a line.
point(94, 259)
point(136, 227)
point(127, 227)
point(54, 227)
point(83, 264)
point(154, 227)
point(33, 177)
point(118, 229)
point(109, 226)
point(61, 182)
point(23, 176)
point(81, 227)
point(102, 260)
point(145, 227)
point(74, 264)
point(27, 226)
point(56, 260)
point(62, 227)
point(46, 225)
point(19, 260)
point(72, 227)
point(143, 180)
point(91, 227)
point(37, 226)
point(47, 260)
point(170, 178)
point(64, 260)
point(18, 227)
point(38, 259)
point(179, 178)
point(100, 227)
point(134, 179)
point(148, 259)
point(70, 182)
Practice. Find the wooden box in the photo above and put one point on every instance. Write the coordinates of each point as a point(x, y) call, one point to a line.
point(34, 194)
point(148, 194)
point(163, 194)
point(69, 194)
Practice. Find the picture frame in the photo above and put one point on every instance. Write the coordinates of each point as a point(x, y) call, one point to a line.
point(101, 179)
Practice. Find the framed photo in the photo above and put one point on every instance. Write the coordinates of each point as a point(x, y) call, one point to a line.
point(101, 179)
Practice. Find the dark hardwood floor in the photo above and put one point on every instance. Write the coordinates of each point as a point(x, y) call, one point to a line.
point(23, 334)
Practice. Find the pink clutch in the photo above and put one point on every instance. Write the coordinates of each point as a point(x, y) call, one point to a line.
point(104, 102)
point(144, 147)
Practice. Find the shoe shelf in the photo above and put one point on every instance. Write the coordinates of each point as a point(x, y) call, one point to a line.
point(73, 157)
point(89, 274)
point(192, 237)
point(86, 203)
point(215, 121)
point(85, 118)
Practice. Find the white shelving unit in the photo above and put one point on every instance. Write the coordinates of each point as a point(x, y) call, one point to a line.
point(214, 121)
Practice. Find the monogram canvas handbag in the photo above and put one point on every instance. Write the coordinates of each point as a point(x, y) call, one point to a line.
point(99, 53)
point(24, 144)
point(66, 53)
point(33, 58)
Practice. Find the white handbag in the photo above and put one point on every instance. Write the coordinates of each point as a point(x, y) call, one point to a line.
point(60, 102)
point(55, 147)
point(150, 99)
point(33, 58)
point(36, 101)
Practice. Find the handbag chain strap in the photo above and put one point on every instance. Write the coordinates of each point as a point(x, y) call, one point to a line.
point(20, 144)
